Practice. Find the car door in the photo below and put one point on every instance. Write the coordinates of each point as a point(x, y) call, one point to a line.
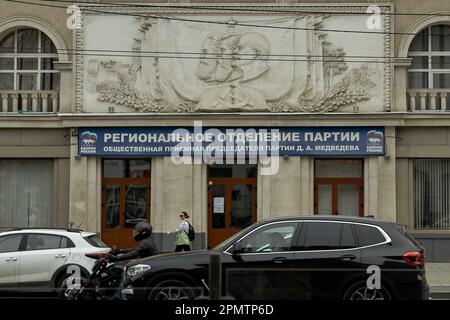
point(10, 257)
point(262, 268)
point(326, 258)
point(42, 256)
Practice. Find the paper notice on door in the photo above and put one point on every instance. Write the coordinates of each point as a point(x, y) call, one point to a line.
point(219, 205)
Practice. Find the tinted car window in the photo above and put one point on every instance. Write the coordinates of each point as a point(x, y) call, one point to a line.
point(328, 236)
point(272, 238)
point(43, 242)
point(94, 240)
point(348, 240)
point(368, 235)
point(66, 243)
point(10, 243)
point(322, 236)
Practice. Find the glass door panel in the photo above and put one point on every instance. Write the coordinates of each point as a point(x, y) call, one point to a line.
point(241, 206)
point(112, 206)
point(218, 217)
point(348, 199)
point(325, 199)
point(135, 204)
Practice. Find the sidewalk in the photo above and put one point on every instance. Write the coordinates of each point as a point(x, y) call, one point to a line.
point(438, 278)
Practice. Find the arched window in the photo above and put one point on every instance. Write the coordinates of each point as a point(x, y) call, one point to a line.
point(429, 73)
point(28, 79)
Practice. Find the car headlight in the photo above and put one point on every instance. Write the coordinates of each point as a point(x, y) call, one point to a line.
point(137, 270)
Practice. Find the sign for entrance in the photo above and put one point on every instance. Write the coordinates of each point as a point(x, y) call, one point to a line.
point(290, 141)
point(219, 205)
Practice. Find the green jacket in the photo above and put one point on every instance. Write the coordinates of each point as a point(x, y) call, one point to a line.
point(182, 233)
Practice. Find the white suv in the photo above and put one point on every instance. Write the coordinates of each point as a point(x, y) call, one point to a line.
point(37, 259)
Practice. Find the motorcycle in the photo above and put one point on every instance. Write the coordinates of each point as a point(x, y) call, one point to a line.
point(101, 284)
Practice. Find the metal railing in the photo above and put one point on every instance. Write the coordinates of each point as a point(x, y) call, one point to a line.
point(428, 100)
point(29, 101)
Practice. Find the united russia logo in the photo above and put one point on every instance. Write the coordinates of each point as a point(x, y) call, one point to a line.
point(88, 141)
point(375, 141)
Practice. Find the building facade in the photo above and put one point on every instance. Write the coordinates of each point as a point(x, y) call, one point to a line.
point(91, 95)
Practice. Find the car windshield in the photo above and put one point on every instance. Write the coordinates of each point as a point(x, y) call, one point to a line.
point(95, 241)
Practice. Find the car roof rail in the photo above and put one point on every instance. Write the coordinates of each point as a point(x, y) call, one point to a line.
point(40, 228)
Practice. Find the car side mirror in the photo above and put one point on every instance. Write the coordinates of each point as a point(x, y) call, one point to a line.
point(236, 248)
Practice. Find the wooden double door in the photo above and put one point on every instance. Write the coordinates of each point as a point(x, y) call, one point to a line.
point(339, 196)
point(231, 207)
point(125, 199)
point(126, 202)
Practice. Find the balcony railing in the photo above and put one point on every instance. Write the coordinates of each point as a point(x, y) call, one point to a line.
point(29, 101)
point(428, 100)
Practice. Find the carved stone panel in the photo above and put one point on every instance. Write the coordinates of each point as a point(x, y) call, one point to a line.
point(234, 62)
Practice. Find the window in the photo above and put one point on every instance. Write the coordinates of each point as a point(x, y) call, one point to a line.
point(339, 187)
point(10, 243)
point(368, 235)
point(95, 241)
point(46, 242)
point(431, 193)
point(27, 59)
point(26, 193)
point(328, 236)
point(232, 171)
point(272, 238)
point(430, 67)
point(119, 168)
point(66, 243)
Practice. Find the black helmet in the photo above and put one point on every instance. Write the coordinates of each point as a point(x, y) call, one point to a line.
point(141, 231)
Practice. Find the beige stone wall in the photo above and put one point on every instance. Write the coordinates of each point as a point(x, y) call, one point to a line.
point(177, 188)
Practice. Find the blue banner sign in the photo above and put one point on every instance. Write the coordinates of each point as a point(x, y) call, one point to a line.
point(195, 141)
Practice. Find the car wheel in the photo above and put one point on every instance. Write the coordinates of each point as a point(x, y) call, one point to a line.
point(171, 290)
point(359, 291)
point(68, 293)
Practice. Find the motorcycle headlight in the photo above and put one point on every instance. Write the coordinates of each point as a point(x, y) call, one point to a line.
point(137, 270)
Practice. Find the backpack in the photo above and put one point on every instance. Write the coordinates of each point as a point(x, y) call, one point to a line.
point(191, 232)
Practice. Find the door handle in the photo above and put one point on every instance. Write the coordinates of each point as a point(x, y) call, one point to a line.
point(279, 260)
point(11, 259)
point(348, 257)
point(60, 256)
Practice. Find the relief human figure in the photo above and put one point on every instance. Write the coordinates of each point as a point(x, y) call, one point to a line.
point(249, 62)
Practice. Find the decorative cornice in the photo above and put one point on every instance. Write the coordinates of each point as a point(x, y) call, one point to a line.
point(227, 9)
point(79, 75)
point(388, 67)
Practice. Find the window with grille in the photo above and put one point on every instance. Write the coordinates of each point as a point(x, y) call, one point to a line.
point(431, 194)
point(27, 59)
point(430, 66)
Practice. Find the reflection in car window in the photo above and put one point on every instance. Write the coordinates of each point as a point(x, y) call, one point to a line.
point(368, 235)
point(272, 238)
point(10, 243)
point(95, 241)
point(43, 242)
point(66, 243)
point(328, 236)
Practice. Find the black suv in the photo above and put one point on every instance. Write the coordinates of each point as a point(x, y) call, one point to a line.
point(318, 257)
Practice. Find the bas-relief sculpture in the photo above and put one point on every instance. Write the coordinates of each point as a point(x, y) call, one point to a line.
point(180, 66)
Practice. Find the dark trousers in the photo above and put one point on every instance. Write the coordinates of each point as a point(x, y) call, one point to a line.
point(182, 247)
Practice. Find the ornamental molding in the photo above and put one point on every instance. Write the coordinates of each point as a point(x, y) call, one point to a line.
point(14, 22)
point(229, 83)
